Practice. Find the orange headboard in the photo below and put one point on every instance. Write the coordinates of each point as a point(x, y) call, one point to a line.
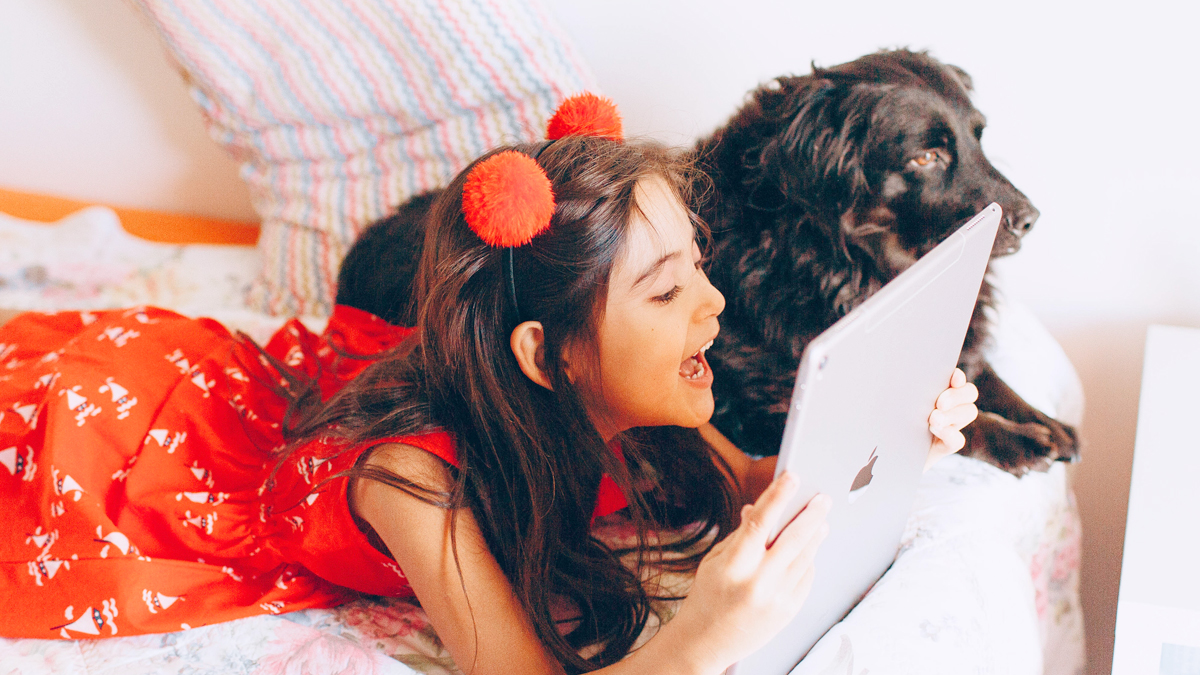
point(171, 228)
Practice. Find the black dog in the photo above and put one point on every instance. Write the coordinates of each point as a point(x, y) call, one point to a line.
point(826, 187)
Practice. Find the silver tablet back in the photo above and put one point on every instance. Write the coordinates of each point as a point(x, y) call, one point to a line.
point(858, 425)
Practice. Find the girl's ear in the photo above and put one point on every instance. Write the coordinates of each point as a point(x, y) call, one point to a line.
point(526, 342)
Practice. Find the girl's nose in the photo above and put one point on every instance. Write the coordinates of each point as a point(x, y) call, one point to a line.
point(714, 301)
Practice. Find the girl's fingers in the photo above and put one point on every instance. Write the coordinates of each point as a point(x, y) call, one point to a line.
point(804, 532)
point(759, 520)
point(803, 561)
point(953, 418)
point(949, 441)
point(959, 378)
point(956, 396)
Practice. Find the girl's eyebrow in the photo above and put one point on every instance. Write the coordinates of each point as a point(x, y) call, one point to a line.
point(654, 269)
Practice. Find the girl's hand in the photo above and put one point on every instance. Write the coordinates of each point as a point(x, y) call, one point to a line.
point(955, 409)
point(747, 589)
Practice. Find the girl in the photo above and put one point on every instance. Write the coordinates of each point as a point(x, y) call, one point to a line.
point(163, 474)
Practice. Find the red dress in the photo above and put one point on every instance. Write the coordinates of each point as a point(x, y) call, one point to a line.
point(135, 448)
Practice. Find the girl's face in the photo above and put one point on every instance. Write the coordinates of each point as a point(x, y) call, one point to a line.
point(659, 318)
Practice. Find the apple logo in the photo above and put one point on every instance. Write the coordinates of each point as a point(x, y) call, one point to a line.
point(863, 479)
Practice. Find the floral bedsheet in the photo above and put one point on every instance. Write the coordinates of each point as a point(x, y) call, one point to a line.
point(987, 580)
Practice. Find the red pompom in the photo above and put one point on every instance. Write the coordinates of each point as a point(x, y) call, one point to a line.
point(585, 115)
point(508, 200)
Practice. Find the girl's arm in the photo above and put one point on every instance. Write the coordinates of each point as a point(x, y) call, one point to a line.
point(954, 409)
point(744, 592)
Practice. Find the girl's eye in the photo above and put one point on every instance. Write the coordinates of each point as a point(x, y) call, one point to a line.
point(668, 296)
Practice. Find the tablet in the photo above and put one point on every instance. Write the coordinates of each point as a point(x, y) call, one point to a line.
point(858, 426)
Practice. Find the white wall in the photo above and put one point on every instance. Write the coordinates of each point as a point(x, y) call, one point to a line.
point(1091, 112)
point(91, 109)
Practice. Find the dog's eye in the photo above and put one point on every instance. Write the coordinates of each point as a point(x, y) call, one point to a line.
point(930, 157)
point(979, 133)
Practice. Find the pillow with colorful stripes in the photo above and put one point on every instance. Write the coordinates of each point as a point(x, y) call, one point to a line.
point(340, 111)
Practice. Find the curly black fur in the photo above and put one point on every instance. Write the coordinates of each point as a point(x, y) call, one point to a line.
point(827, 186)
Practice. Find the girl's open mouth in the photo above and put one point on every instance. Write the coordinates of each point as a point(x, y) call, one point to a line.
point(695, 367)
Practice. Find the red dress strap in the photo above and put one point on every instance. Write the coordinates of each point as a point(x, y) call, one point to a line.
point(438, 443)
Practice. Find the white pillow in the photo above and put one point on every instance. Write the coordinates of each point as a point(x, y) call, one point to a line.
point(340, 111)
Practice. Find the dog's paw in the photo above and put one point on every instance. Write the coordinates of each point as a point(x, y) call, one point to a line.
point(1065, 440)
point(1020, 447)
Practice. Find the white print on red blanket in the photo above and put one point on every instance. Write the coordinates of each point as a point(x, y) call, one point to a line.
point(114, 538)
point(39, 569)
point(272, 607)
point(185, 368)
point(156, 601)
point(243, 409)
point(43, 541)
point(27, 413)
point(177, 358)
point(166, 440)
point(213, 498)
point(120, 396)
point(65, 485)
point(16, 463)
point(46, 381)
point(203, 475)
point(118, 335)
point(122, 474)
point(199, 380)
point(308, 468)
point(78, 404)
point(91, 621)
point(201, 522)
point(139, 314)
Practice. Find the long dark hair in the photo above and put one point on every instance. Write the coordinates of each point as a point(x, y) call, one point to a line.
point(529, 459)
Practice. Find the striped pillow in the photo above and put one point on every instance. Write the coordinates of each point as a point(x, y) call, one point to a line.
point(340, 111)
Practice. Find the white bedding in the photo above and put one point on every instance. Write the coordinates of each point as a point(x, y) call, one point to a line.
point(986, 582)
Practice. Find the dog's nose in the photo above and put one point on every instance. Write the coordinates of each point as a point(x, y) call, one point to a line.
point(1021, 222)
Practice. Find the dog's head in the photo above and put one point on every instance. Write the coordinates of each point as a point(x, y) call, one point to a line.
point(887, 146)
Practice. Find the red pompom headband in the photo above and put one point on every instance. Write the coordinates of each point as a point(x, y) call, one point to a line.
point(507, 199)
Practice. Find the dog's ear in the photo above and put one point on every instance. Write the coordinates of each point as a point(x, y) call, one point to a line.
point(961, 75)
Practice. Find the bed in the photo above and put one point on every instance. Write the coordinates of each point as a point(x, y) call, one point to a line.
point(335, 120)
point(986, 580)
